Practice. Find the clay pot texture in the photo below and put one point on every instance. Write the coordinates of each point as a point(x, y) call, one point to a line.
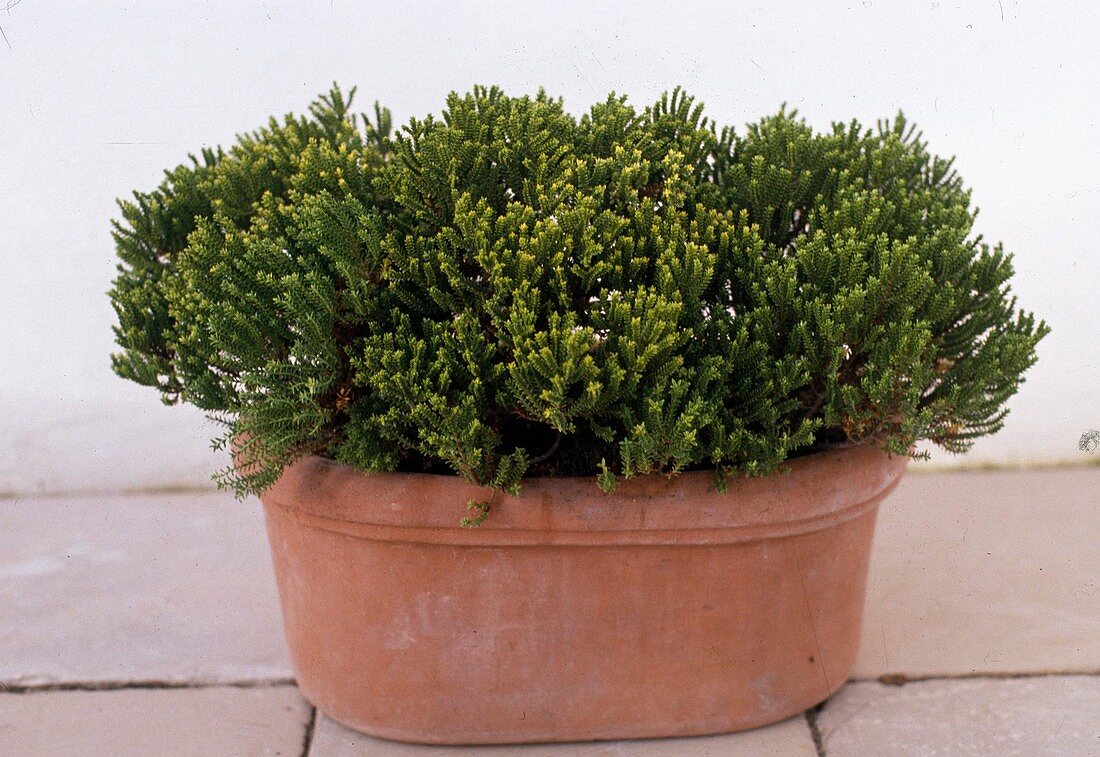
point(663, 609)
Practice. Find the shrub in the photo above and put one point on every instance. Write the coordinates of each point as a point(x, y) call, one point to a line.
point(508, 290)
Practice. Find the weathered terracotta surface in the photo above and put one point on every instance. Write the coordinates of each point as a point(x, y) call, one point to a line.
point(663, 609)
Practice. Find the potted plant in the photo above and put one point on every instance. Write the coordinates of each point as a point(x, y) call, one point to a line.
point(569, 428)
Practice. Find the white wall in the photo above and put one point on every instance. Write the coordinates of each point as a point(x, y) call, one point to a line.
point(97, 98)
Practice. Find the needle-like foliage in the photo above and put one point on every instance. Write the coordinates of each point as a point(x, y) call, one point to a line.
point(507, 290)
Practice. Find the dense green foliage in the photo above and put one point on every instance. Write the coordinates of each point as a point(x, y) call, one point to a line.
point(509, 290)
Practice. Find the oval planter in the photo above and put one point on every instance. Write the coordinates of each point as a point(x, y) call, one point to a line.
point(663, 609)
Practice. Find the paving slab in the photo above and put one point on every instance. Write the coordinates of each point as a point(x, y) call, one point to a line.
point(986, 572)
point(791, 738)
point(142, 722)
point(167, 587)
point(976, 572)
point(1020, 716)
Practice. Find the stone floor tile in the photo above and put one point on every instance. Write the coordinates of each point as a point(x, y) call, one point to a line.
point(143, 722)
point(1057, 715)
point(986, 572)
point(790, 738)
point(174, 587)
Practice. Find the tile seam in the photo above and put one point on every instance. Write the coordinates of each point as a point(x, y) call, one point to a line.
point(901, 679)
point(311, 732)
point(142, 684)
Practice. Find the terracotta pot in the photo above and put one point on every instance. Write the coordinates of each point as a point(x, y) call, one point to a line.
point(663, 609)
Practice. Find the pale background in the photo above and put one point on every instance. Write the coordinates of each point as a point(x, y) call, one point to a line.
point(96, 99)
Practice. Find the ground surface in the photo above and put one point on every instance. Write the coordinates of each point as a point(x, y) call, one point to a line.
point(149, 625)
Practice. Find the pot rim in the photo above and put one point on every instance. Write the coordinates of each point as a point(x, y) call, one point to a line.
point(817, 491)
